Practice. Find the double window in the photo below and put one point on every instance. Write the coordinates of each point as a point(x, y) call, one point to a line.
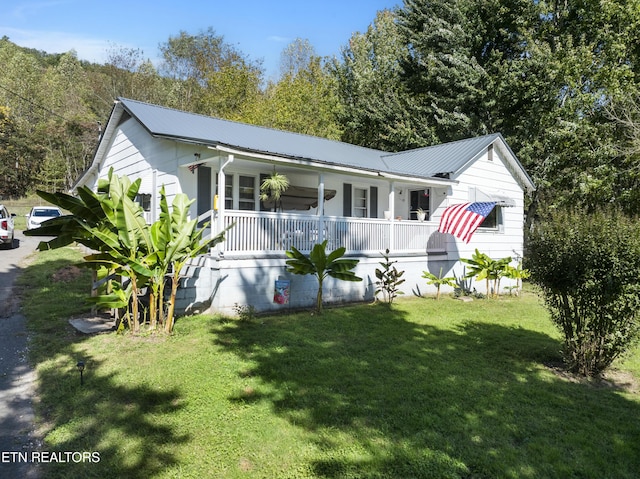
point(246, 187)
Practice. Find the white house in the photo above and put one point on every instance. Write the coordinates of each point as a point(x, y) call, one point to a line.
point(360, 198)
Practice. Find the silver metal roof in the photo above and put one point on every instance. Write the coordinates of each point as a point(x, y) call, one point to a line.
point(184, 126)
point(439, 161)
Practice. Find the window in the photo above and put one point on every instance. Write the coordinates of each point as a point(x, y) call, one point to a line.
point(228, 192)
point(247, 193)
point(360, 205)
point(493, 220)
point(144, 200)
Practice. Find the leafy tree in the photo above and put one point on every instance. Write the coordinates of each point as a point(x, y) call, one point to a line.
point(441, 71)
point(303, 100)
point(321, 265)
point(20, 159)
point(389, 278)
point(588, 267)
point(214, 77)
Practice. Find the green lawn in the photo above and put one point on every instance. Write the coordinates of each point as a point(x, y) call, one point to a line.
point(428, 389)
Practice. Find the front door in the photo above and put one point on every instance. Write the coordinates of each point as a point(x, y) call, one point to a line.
point(420, 199)
point(204, 190)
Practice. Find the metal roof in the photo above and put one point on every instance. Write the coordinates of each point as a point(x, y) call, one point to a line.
point(180, 125)
point(439, 161)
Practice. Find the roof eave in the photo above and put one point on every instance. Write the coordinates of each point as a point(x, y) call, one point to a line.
point(105, 139)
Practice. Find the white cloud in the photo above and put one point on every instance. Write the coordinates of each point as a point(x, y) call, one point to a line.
point(278, 39)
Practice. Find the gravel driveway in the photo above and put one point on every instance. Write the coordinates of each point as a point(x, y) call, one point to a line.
point(18, 438)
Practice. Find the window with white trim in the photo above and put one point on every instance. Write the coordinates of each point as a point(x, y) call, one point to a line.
point(247, 193)
point(360, 202)
point(144, 200)
point(228, 192)
point(494, 220)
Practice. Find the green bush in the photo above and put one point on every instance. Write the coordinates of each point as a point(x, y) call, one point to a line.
point(588, 267)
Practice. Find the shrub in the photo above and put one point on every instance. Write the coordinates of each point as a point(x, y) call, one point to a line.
point(388, 279)
point(588, 267)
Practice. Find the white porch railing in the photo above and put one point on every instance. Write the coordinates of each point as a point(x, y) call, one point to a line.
point(267, 232)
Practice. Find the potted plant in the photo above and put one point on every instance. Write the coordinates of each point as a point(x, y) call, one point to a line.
point(421, 214)
point(272, 188)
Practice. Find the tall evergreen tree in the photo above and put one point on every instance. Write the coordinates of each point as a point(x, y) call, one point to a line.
point(377, 110)
point(440, 71)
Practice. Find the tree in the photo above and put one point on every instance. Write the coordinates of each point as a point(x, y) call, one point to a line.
point(110, 223)
point(376, 107)
point(20, 159)
point(214, 77)
point(321, 265)
point(296, 57)
point(588, 267)
point(440, 70)
point(303, 100)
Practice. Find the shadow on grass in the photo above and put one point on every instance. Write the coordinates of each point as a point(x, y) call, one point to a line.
point(123, 424)
point(384, 397)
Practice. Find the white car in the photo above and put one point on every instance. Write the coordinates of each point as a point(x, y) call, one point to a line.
point(6, 227)
point(39, 214)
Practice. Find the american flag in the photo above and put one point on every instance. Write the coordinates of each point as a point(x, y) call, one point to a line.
point(463, 220)
point(194, 167)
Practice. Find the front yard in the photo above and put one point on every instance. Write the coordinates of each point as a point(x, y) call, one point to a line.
point(428, 389)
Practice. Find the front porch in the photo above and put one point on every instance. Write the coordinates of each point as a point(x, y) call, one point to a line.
point(268, 233)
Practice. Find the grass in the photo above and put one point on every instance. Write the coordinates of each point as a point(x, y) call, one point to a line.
point(426, 389)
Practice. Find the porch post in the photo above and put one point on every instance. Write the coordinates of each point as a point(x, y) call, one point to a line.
point(392, 210)
point(321, 208)
point(221, 197)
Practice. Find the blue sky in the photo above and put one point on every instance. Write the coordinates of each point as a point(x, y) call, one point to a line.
point(258, 28)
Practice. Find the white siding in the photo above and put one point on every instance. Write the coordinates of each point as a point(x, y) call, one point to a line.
point(490, 177)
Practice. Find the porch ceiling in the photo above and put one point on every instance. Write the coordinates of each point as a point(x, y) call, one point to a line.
point(300, 198)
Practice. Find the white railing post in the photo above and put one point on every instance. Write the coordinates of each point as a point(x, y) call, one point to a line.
point(392, 210)
point(321, 208)
point(221, 198)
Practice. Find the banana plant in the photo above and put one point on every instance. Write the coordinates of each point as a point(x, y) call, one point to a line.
point(481, 266)
point(439, 281)
point(321, 265)
point(110, 223)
